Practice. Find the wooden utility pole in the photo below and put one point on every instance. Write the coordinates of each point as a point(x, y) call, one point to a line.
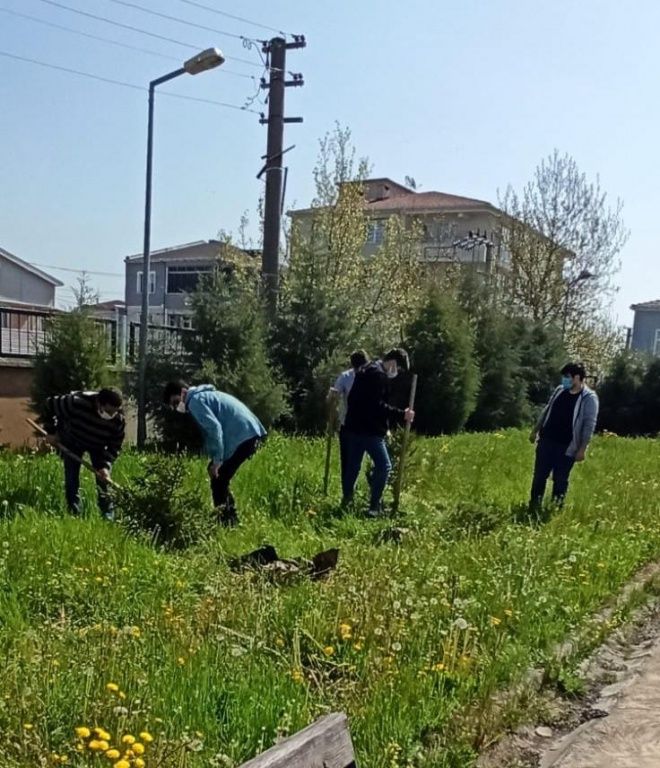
point(275, 51)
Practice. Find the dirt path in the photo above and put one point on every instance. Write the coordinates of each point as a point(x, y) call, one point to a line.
point(629, 737)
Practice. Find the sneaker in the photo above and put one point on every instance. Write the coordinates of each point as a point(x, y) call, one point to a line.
point(374, 513)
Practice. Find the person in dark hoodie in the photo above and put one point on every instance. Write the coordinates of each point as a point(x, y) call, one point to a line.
point(562, 433)
point(232, 435)
point(368, 419)
point(87, 422)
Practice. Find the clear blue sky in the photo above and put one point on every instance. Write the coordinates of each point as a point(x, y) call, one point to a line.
point(465, 96)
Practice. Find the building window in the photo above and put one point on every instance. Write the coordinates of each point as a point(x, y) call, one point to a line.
point(152, 282)
point(376, 232)
point(656, 343)
point(175, 320)
point(185, 279)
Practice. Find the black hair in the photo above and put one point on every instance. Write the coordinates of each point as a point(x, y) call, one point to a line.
point(110, 396)
point(359, 358)
point(401, 357)
point(574, 369)
point(172, 388)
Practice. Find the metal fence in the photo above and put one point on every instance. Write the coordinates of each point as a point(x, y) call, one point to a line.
point(24, 332)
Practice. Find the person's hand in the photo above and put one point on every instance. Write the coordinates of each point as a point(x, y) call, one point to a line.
point(532, 436)
point(214, 468)
point(409, 415)
point(579, 456)
point(51, 439)
point(103, 474)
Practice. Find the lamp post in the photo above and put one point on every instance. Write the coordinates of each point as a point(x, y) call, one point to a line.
point(208, 59)
point(584, 275)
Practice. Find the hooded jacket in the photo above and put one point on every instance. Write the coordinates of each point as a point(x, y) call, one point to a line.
point(369, 412)
point(224, 420)
point(585, 415)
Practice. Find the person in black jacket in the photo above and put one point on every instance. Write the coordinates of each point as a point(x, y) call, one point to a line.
point(87, 422)
point(368, 419)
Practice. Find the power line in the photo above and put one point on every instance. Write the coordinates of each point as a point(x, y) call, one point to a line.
point(85, 34)
point(139, 30)
point(78, 271)
point(133, 86)
point(231, 16)
point(36, 19)
point(179, 20)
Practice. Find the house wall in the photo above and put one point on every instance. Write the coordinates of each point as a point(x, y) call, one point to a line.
point(15, 384)
point(645, 325)
point(20, 285)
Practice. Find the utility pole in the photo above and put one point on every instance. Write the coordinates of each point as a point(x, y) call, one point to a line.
point(275, 51)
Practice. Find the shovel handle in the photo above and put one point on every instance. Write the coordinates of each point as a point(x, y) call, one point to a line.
point(404, 447)
point(71, 454)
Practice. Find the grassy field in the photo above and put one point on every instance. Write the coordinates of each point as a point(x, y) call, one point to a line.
point(206, 667)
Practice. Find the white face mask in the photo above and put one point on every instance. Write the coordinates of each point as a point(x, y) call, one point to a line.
point(106, 416)
point(181, 407)
point(392, 372)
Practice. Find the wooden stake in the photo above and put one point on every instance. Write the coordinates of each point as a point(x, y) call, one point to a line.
point(404, 447)
point(328, 449)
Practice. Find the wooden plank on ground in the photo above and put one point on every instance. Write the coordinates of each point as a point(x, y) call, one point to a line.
point(324, 744)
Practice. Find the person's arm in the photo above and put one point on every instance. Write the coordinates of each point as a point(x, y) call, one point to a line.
point(211, 427)
point(541, 419)
point(589, 419)
point(114, 445)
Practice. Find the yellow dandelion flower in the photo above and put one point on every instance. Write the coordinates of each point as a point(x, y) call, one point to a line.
point(121, 695)
point(95, 745)
point(329, 650)
point(181, 661)
point(63, 759)
point(297, 676)
point(146, 737)
point(439, 667)
point(495, 621)
point(103, 745)
point(112, 687)
point(279, 642)
point(83, 733)
point(102, 734)
point(138, 763)
point(28, 726)
point(138, 748)
point(345, 630)
point(113, 754)
point(135, 632)
point(122, 764)
point(508, 612)
point(358, 646)
point(128, 739)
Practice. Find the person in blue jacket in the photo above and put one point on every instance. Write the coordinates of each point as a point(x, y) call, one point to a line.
point(232, 435)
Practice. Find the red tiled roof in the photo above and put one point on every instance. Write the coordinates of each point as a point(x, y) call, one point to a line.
point(653, 306)
point(428, 201)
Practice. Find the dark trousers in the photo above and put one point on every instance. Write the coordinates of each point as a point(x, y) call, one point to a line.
point(72, 484)
point(376, 448)
point(551, 457)
point(222, 496)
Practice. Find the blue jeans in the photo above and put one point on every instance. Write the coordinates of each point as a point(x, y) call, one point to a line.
point(551, 457)
point(72, 486)
point(375, 447)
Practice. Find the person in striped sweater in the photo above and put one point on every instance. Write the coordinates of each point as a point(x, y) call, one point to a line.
point(87, 422)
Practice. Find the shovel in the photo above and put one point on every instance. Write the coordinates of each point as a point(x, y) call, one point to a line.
point(73, 456)
point(404, 447)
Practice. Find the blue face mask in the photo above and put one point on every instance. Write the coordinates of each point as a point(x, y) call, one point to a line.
point(566, 382)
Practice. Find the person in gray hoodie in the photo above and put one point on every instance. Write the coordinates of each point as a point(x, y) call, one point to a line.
point(232, 435)
point(562, 433)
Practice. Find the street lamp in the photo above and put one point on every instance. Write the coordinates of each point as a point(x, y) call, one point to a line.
point(584, 275)
point(208, 59)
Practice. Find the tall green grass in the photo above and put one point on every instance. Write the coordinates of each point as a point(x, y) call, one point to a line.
point(410, 639)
